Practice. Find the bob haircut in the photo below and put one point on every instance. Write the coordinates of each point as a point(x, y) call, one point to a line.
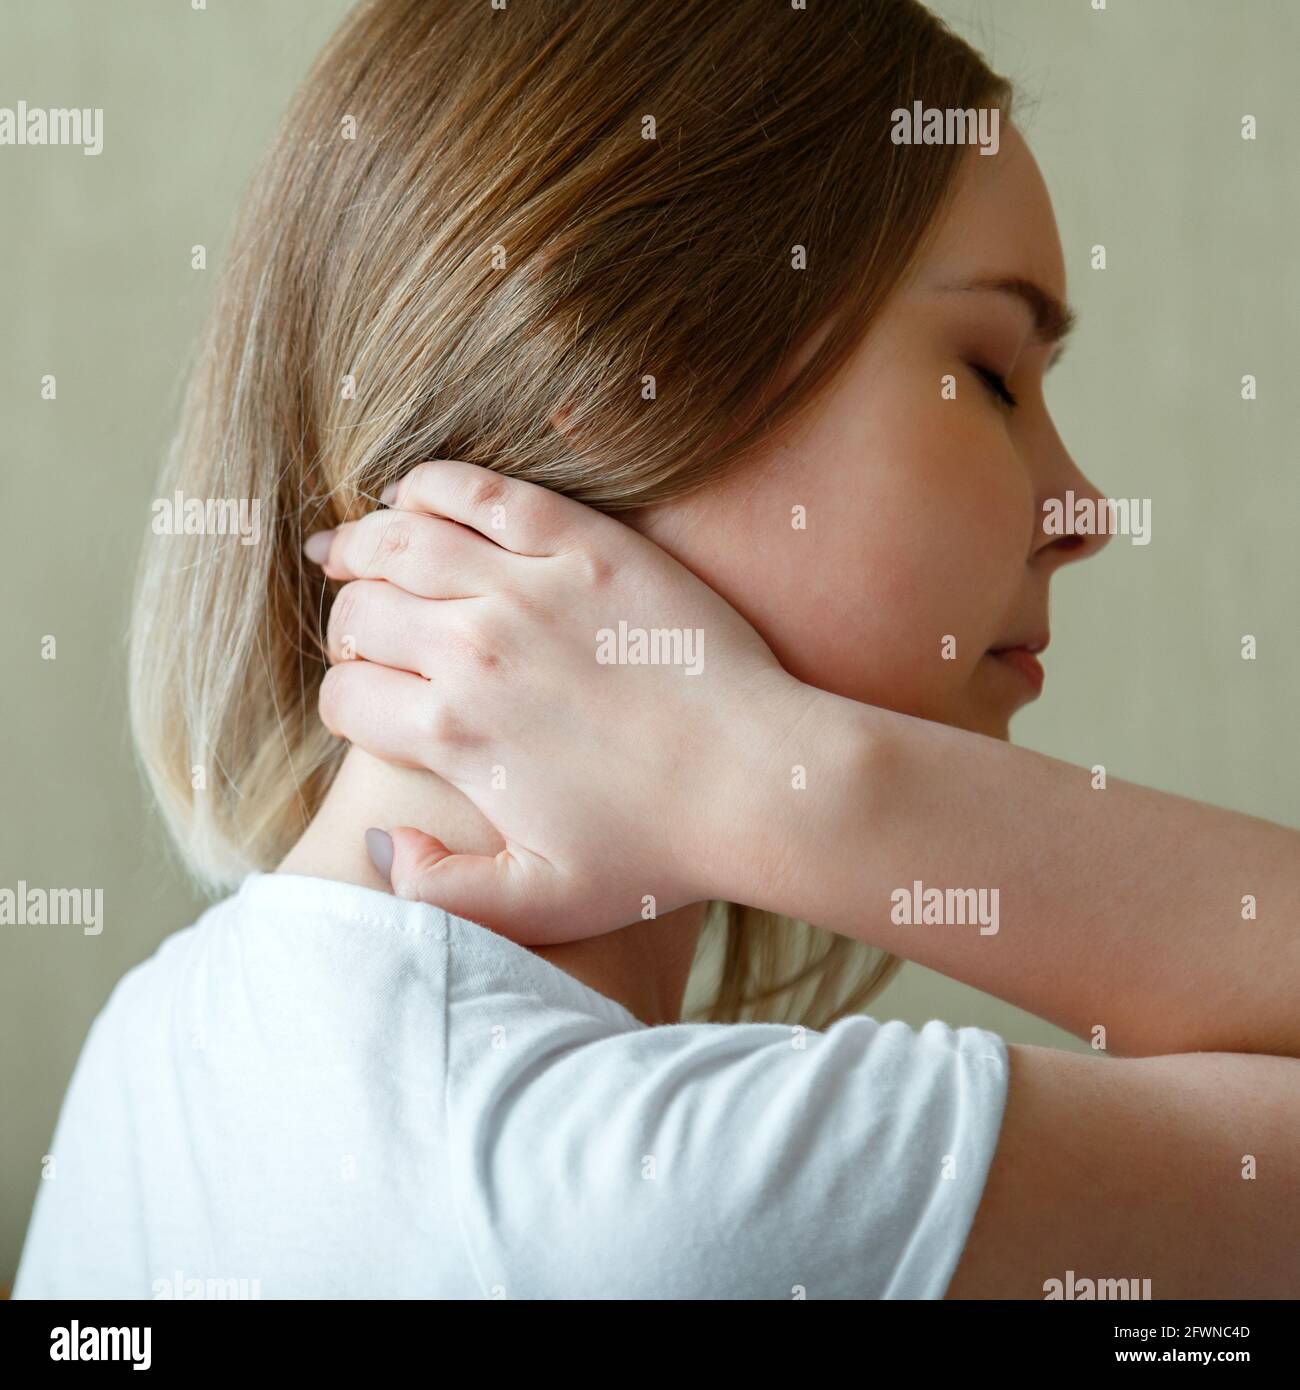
point(476, 216)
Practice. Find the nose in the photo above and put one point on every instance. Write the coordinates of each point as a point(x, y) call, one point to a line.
point(1070, 520)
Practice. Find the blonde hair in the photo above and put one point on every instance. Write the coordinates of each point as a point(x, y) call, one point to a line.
point(474, 217)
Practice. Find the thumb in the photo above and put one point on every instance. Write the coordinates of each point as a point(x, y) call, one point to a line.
point(478, 887)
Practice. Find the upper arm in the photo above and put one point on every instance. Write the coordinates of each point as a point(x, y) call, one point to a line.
point(727, 1161)
point(1184, 1170)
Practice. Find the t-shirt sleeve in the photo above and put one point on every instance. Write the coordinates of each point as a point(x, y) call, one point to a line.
point(736, 1161)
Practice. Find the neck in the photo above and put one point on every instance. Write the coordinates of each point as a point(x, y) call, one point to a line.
point(643, 966)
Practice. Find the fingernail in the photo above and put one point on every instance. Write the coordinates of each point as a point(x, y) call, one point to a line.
point(317, 546)
point(389, 495)
point(379, 845)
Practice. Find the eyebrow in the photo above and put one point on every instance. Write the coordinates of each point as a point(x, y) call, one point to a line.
point(1053, 320)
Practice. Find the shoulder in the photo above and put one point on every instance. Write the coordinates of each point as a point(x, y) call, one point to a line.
point(138, 1001)
point(85, 1231)
point(754, 1160)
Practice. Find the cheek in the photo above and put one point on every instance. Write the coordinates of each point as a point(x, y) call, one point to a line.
point(957, 525)
point(920, 532)
point(916, 527)
point(920, 539)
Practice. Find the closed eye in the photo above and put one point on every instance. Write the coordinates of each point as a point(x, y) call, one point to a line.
point(996, 385)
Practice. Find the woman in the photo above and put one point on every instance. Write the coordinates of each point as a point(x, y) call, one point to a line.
point(671, 264)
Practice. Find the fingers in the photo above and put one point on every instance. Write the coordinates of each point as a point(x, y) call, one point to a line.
point(388, 713)
point(372, 620)
point(488, 889)
point(520, 516)
point(424, 555)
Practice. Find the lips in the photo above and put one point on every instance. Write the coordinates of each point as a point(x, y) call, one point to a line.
point(1024, 663)
point(1022, 658)
point(1032, 645)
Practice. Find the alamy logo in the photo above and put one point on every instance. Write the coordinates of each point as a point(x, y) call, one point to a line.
point(179, 515)
point(54, 907)
point(1092, 1289)
point(77, 1343)
point(656, 646)
point(24, 125)
point(1102, 516)
point(179, 1286)
point(934, 125)
point(954, 907)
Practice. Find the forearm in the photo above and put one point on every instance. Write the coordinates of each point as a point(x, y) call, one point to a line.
point(1119, 908)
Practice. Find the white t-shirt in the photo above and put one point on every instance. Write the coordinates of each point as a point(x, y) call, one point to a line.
point(323, 1091)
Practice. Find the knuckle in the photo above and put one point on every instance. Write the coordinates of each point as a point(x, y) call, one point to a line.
point(487, 492)
point(447, 729)
point(395, 540)
point(594, 569)
point(470, 647)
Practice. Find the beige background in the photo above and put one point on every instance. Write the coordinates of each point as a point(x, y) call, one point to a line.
point(1135, 119)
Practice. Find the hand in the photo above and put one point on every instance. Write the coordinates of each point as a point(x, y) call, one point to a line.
point(490, 634)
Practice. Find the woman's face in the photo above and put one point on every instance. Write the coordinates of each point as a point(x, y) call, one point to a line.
point(924, 515)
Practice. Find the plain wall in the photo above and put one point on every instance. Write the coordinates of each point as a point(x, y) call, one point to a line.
point(1135, 119)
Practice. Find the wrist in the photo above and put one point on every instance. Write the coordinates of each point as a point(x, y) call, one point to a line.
point(807, 767)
